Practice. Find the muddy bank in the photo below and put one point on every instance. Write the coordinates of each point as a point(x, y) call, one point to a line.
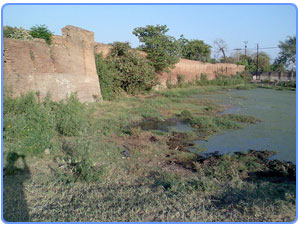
point(252, 165)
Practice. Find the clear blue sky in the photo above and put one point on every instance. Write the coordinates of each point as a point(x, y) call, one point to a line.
point(263, 24)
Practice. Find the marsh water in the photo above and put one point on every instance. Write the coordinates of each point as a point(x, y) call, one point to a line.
point(276, 132)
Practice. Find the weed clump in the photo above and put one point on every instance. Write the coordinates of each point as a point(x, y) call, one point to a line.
point(211, 124)
point(69, 116)
point(30, 125)
point(76, 165)
point(242, 118)
point(221, 80)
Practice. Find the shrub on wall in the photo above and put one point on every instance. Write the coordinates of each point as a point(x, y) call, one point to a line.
point(41, 31)
point(16, 33)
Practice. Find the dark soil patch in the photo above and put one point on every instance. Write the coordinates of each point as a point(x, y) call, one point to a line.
point(252, 166)
point(179, 142)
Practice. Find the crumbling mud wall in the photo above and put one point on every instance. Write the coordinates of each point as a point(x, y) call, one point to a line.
point(64, 67)
point(190, 69)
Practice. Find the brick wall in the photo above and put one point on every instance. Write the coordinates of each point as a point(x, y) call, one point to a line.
point(64, 67)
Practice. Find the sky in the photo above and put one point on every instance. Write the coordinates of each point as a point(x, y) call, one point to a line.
point(262, 24)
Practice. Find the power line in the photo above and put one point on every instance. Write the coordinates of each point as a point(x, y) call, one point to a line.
point(254, 48)
point(268, 47)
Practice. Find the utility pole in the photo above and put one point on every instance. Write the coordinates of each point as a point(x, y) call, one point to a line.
point(257, 61)
point(246, 42)
point(238, 52)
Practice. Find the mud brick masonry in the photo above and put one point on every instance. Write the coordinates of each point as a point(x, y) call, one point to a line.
point(68, 65)
point(65, 66)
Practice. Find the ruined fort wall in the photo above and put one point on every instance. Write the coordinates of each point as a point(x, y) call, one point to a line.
point(190, 69)
point(68, 65)
point(64, 67)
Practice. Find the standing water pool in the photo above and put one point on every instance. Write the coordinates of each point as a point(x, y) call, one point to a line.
point(276, 132)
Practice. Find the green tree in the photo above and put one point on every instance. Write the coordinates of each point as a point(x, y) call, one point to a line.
point(247, 61)
point(195, 49)
point(277, 67)
point(263, 62)
point(287, 54)
point(162, 50)
point(41, 31)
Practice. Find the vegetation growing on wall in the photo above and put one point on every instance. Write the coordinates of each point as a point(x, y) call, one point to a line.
point(41, 31)
point(38, 31)
point(16, 33)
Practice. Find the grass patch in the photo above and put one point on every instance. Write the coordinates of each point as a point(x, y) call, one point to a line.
point(208, 125)
point(280, 85)
point(98, 167)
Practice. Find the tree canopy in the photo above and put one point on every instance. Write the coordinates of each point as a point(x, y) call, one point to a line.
point(195, 49)
point(162, 50)
point(287, 54)
point(41, 31)
point(263, 62)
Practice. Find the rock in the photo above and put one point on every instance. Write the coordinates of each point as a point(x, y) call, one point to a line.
point(126, 153)
point(47, 151)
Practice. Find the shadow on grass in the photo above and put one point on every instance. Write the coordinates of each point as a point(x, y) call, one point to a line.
point(262, 196)
point(14, 202)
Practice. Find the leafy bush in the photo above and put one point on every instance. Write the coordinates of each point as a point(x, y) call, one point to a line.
point(28, 125)
point(202, 80)
point(16, 33)
point(108, 78)
point(41, 31)
point(77, 163)
point(69, 116)
point(135, 73)
point(162, 50)
point(8, 30)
